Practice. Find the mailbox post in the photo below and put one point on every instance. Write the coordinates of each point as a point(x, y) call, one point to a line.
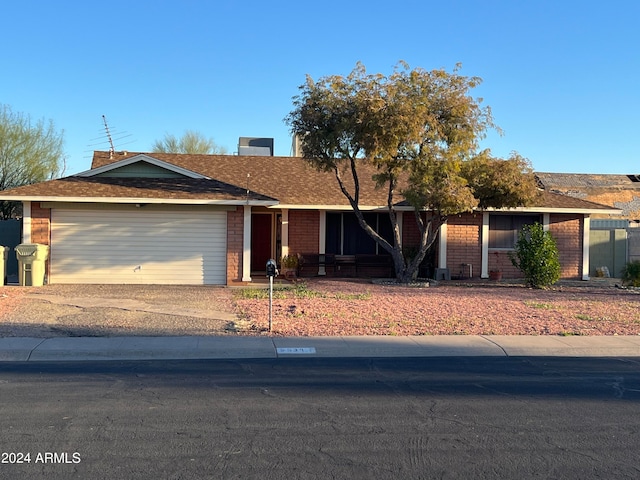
point(272, 271)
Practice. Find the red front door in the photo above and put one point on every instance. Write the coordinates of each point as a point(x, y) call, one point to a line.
point(260, 241)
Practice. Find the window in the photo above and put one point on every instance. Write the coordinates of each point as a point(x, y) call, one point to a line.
point(503, 229)
point(345, 236)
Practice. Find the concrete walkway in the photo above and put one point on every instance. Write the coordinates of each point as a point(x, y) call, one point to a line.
point(21, 349)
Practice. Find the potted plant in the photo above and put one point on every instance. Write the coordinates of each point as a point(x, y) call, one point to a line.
point(289, 265)
point(496, 273)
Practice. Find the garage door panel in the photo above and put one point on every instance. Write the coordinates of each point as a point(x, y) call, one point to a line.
point(135, 246)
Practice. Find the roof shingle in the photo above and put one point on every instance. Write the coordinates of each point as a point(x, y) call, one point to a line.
point(288, 181)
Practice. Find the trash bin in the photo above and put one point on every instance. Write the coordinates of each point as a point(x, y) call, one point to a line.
point(4, 251)
point(31, 261)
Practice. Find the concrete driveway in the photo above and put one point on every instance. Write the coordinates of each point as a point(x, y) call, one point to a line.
point(112, 310)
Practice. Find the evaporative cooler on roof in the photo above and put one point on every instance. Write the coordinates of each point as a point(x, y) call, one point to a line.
point(255, 146)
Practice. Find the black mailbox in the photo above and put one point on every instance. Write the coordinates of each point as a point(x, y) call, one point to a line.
point(272, 268)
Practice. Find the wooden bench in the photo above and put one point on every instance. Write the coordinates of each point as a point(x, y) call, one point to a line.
point(346, 265)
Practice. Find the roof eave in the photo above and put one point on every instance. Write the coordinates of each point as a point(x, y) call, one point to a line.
point(584, 211)
point(294, 206)
point(167, 201)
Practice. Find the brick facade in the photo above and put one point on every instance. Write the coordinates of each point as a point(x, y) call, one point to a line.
point(410, 232)
point(40, 224)
point(41, 228)
point(304, 231)
point(464, 245)
point(464, 240)
point(568, 231)
point(235, 235)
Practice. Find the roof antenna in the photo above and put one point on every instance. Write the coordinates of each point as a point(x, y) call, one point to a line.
point(106, 127)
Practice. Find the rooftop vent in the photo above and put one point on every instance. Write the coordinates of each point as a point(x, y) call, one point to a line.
point(255, 146)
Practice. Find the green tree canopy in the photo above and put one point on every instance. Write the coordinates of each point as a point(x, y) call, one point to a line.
point(30, 152)
point(191, 141)
point(420, 130)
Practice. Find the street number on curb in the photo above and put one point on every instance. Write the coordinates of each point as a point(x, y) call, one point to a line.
point(296, 350)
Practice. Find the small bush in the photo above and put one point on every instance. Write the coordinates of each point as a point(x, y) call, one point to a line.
point(536, 256)
point(631, 274)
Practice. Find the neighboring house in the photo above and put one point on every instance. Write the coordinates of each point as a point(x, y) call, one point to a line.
point(614, 240)
point(618, 191)
point(217, 219)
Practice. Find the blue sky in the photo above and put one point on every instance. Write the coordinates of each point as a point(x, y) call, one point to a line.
point(561, 76)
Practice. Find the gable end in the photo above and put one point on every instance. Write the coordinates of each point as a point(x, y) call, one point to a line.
point(141, 166)
point(140, 169)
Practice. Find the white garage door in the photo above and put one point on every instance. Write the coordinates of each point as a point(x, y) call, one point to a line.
point(141, 246)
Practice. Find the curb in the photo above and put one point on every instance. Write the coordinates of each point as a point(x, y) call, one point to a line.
point(26, 349)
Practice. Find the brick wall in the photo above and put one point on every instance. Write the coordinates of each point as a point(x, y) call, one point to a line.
point(235, 227)
point(464, 244)
point(40, 224)
point(567, 230)
point(410, 232)
point(304, 231)
point(41, 228)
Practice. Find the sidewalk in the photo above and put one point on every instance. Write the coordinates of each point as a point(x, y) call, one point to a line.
point(24, 349)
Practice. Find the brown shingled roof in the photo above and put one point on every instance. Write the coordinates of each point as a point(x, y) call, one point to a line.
point(286, 181)
point(115, 187)
point(289, 179)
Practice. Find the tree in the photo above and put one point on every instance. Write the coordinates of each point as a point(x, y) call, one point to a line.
point(29, 153)
point(536, 256)
point(419, 131)
point(191, 142)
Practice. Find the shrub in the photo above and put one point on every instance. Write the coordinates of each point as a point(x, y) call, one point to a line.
point(536, 256)
point(631, 274)
point(290, 261)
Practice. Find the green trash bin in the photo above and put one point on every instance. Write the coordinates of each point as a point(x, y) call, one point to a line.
point(31, 263)
point(4, 252)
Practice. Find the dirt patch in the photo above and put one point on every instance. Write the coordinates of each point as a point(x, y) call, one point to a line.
point(112, 310)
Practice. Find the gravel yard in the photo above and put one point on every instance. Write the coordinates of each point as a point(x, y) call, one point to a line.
point(319, 307)
point(324, 307)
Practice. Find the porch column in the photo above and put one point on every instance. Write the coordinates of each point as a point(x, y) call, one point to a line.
point(545, 221)
point(586, 226)
point(26, 222)
point(442, 256)
point(322, 240)
point(485, 246)
point(285, 233)
point(246, 245)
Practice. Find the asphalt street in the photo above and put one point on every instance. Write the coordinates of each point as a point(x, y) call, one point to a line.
point(454, 417)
